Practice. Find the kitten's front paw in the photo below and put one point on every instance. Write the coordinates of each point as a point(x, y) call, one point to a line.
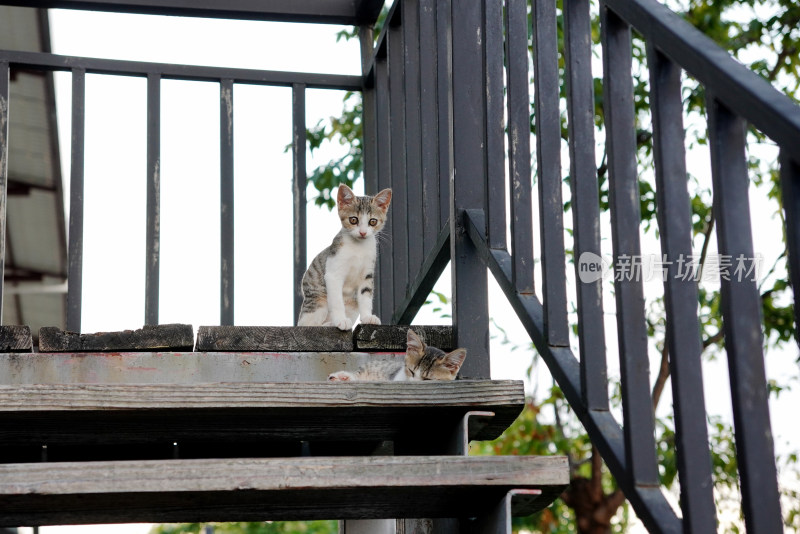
point(340, 376)
point(342, 323)
point(370, 319)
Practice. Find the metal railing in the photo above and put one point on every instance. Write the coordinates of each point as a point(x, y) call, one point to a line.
point(155, 73)
point(466, 87)
point(446, 125)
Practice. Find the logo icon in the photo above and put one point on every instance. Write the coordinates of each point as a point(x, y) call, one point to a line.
point(592, 267)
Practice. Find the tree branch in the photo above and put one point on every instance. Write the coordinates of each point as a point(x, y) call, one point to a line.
point(664, 371)
point(597, 475)
point(559, 425)
point(663, 375)
point(713, 339)
point(773, 73)
point(706, 240)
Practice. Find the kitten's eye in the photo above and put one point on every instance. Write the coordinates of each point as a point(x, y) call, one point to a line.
point(353, 220)
point(373, 222)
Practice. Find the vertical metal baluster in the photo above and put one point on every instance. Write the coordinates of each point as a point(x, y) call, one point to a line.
point(369, 132)
point(790, 193)
point(153, 232)
point(396, 51)
point(226, 202)
point(383, 134)
point(623, 187)
point(548, 169)
point(495, 122)
point(585, 203)
point(519, 145)
point(75, 281)
point(444, 88)
point(741, 313)
point(5, 75)
point(469, 279)
point(680, 295)
point(429, 131)
point(299, 191)
point(413, 133)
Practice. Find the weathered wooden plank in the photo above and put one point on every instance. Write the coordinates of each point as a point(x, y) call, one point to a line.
point(393, 337)
point(172, 337)
point(268, 489)
point(77, 397)
point(179, 367)
point(238, 412)
point(15, 338)
point(273, 339)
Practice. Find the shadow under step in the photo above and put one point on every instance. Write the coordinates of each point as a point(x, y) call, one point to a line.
point(272, 489)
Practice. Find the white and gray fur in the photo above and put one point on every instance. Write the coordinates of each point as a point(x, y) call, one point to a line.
point(421, 363)
point(338, 285)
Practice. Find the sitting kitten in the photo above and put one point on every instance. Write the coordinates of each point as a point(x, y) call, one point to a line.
point(422, 363)
point(337, 287)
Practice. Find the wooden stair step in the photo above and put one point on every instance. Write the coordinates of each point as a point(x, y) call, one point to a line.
point(271, 489)
point(424, 412)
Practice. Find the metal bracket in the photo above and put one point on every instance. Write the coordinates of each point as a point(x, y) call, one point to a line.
point(465, 430)
point(469, 427)
point(515, 503)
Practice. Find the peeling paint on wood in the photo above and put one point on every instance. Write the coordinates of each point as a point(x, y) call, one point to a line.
point(173, 337)
point(178, 367)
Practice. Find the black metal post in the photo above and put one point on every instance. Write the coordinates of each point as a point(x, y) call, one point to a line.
point(519, 145)
point(741, 313)
point(469, 279)
point(299, 180)
point(153, 232)
point(395, 44)
point(444, 98)
point(383, 133)
point(413, 142)
point(370, 134)
point(680, 295)
point(548, 171)
point(5, 74)
point(226, 202)
point(585, 203)
point(492, 50)
point(429, 131)
point(75, 280)
point(790, 193)
point(623, 187)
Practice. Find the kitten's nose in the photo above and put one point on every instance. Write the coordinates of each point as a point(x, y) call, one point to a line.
point(362, 233)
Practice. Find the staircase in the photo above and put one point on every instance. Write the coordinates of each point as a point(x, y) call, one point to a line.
point(139, 427)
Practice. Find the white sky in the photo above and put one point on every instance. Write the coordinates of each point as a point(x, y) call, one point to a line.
point(115, 189)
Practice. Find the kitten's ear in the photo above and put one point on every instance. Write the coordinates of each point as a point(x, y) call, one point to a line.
point(345, 196)
point(452, 360)
point(383, 199)
point(415, 348)
point(413, 342)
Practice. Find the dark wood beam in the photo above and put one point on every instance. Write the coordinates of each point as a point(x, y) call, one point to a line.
point(350, 12)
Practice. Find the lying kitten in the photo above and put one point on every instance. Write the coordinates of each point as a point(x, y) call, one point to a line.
point(337, 287)
point(422, 363)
